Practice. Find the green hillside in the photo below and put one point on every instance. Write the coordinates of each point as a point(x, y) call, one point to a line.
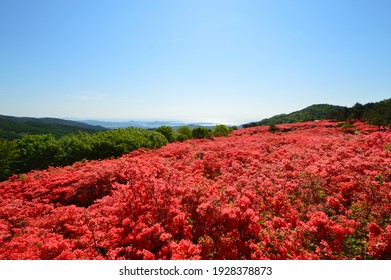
point(12, 128)
point(378, 113)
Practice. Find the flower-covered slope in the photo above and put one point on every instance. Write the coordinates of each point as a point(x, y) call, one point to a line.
point(311, 191)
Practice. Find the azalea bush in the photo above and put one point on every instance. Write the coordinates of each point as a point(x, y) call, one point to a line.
point(307, 191)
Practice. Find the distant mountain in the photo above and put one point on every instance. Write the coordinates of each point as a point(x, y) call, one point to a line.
point(378, 113)
point(14, 127)
point(194, 125)
point(145, 124)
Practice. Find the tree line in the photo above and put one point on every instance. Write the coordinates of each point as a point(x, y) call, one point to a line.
point(43, 150)
point(37, 152)
point(184, 132)
point(378, 113)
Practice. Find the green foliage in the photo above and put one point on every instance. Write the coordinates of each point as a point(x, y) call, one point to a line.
point(185, 131)
point(7, 158)
point(348, 126)
point(252, 124)
point(201, 132)
point(167, 132)
point(153, 139)
point(117, 142)
point(311, 113)
point(354, 245)
point(273, 128)
point(12, 128)
point(340, 124)
point(74, 148)
point(378, 113)
point(181, 137)
point(36, 152)
point(40, 151)
point(357, 111)
point(221, 130)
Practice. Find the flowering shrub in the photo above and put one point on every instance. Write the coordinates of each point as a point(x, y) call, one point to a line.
point(307, 191)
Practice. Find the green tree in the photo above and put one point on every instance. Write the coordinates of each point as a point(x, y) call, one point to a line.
point(357, 111)
point(201, 132)
point(74, 148)
point(167, 132)
point(154, 140)
point(185, 131)
point(41, 151)
point(7, 158)
point(221, 130)
point(379, 113)
point(273, 128)
point(181, 137)
point(36, 152)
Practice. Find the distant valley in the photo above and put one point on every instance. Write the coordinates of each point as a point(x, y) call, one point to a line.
point(12, 128)
point(145, 124)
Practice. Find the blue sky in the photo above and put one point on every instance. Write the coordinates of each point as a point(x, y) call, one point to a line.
point(207, 60)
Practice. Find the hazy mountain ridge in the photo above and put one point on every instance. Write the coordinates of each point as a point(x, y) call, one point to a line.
point(146, 124)
point(377, 113)
point(12, 127)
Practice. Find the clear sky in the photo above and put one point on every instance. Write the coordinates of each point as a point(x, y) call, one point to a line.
point(204, 60)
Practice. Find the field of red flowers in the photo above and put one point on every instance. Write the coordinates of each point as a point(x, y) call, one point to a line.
point(310, 191)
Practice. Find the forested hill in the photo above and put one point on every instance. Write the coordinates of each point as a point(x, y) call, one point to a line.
point(378, 113)
point(14, 127)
